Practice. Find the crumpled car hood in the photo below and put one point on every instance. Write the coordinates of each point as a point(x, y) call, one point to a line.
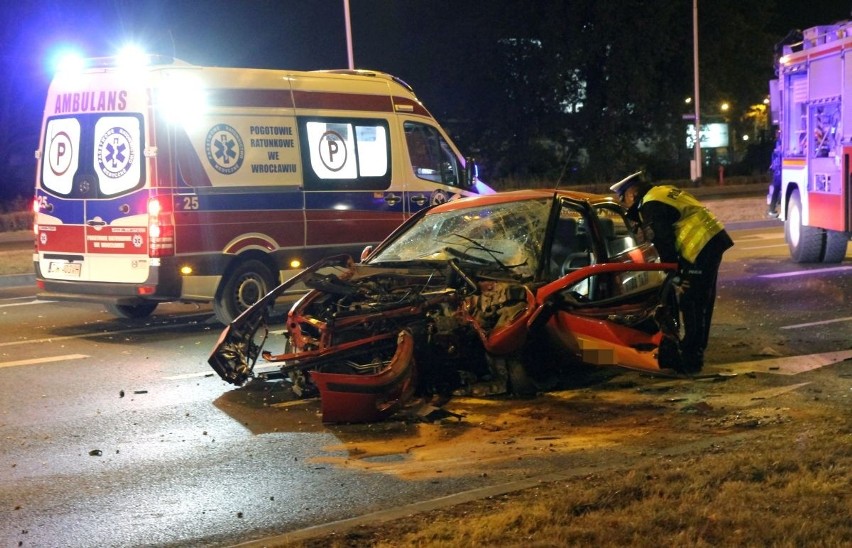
point(367, 338)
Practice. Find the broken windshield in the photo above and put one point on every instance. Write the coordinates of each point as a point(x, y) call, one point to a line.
point(506, 235)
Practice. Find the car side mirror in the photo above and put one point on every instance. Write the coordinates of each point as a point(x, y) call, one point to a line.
point(366, 252)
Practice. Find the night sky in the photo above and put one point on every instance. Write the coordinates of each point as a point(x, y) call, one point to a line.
point(409, 38)
point(424, 42)
point(287, 34)
point(296, 34)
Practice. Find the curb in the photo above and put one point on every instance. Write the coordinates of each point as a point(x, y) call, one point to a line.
point(17, 280)
point(16, 236)
point(719, 192)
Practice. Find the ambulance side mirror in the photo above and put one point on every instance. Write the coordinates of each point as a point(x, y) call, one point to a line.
point(470, 171)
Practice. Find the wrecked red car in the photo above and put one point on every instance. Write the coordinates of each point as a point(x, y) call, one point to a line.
point(480, 296)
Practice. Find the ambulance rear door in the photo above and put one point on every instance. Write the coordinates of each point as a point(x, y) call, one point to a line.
point(91, 191)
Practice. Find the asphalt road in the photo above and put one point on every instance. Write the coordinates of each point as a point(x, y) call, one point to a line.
point(117, 433)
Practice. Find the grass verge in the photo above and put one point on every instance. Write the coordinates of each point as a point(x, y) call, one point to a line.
point(786, 487)
point(750, 469)
point(16, 262)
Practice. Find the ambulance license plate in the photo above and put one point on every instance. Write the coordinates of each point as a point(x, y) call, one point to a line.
point(69, 269)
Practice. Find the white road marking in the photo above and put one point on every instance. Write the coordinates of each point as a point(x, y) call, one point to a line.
point(210, 373)
point(189, 376)
point(760, 247)
point(28, 303)
point(790, 365)
point(799, 325)
point(759, 236)
point(98, 333)
point(740, 399)
point(806, 272)
point(49, 359)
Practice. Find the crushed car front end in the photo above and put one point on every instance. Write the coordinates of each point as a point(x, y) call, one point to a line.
point(454, 302)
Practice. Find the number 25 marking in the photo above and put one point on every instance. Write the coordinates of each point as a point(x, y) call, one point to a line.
point(190, 202)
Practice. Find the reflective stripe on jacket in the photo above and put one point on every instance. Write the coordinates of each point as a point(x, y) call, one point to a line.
point(696, 224)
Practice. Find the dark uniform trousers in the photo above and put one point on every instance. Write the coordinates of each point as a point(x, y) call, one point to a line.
point(698, 299)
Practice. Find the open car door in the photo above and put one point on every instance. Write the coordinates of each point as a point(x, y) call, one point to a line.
point(614, 314)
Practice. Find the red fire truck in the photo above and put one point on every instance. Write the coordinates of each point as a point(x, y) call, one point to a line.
point(811, 100)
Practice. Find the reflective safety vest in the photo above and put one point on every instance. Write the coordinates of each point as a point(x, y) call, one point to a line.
point(696, 225)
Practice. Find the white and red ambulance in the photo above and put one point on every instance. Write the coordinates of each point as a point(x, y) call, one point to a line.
point(162, 181)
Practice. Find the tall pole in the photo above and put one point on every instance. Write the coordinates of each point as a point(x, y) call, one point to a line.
point(348, 35)
point(697, 142)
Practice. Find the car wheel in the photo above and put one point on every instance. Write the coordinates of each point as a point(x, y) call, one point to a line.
point(805, 242)
point(835, 246)
point(242, 287)
point(131, 311)
point(523, 380)
point(520, 383)
point(302, 385)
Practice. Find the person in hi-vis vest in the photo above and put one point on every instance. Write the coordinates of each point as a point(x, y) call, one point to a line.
point(684, 232)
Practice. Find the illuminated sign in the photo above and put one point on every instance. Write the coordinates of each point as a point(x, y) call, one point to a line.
point(712, 135)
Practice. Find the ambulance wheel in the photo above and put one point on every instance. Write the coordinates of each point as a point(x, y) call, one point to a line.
point(131, 311)
point(242, 287)
point(835, 246)
point(805, 242)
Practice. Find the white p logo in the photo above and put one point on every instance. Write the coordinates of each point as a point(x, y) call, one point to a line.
point(332, 150)
point(60, 153)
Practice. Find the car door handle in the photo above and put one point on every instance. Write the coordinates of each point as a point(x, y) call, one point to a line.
point(419, 200)
point(392, 199)
point(96, 222)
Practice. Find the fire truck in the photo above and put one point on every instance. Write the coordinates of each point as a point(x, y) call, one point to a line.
point(811, 101)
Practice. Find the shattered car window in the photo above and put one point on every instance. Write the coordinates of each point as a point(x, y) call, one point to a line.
point(508, 235)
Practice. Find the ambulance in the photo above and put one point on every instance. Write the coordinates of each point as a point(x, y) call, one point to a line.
point(160, 181)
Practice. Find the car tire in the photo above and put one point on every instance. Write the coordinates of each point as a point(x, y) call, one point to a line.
point(242, 287)
point(131, 311)
point(835, 246)
point(520, 383)
point(805, 242)
point(521, 380)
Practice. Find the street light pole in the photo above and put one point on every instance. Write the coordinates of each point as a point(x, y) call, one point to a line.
point(697, 141)
point(348, 35)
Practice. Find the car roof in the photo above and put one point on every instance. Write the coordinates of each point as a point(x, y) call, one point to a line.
point(521, 195)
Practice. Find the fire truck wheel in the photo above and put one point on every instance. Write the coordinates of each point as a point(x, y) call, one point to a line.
point(242, 287)
point(805, 242)
point(131, 311)
point(835, 246)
